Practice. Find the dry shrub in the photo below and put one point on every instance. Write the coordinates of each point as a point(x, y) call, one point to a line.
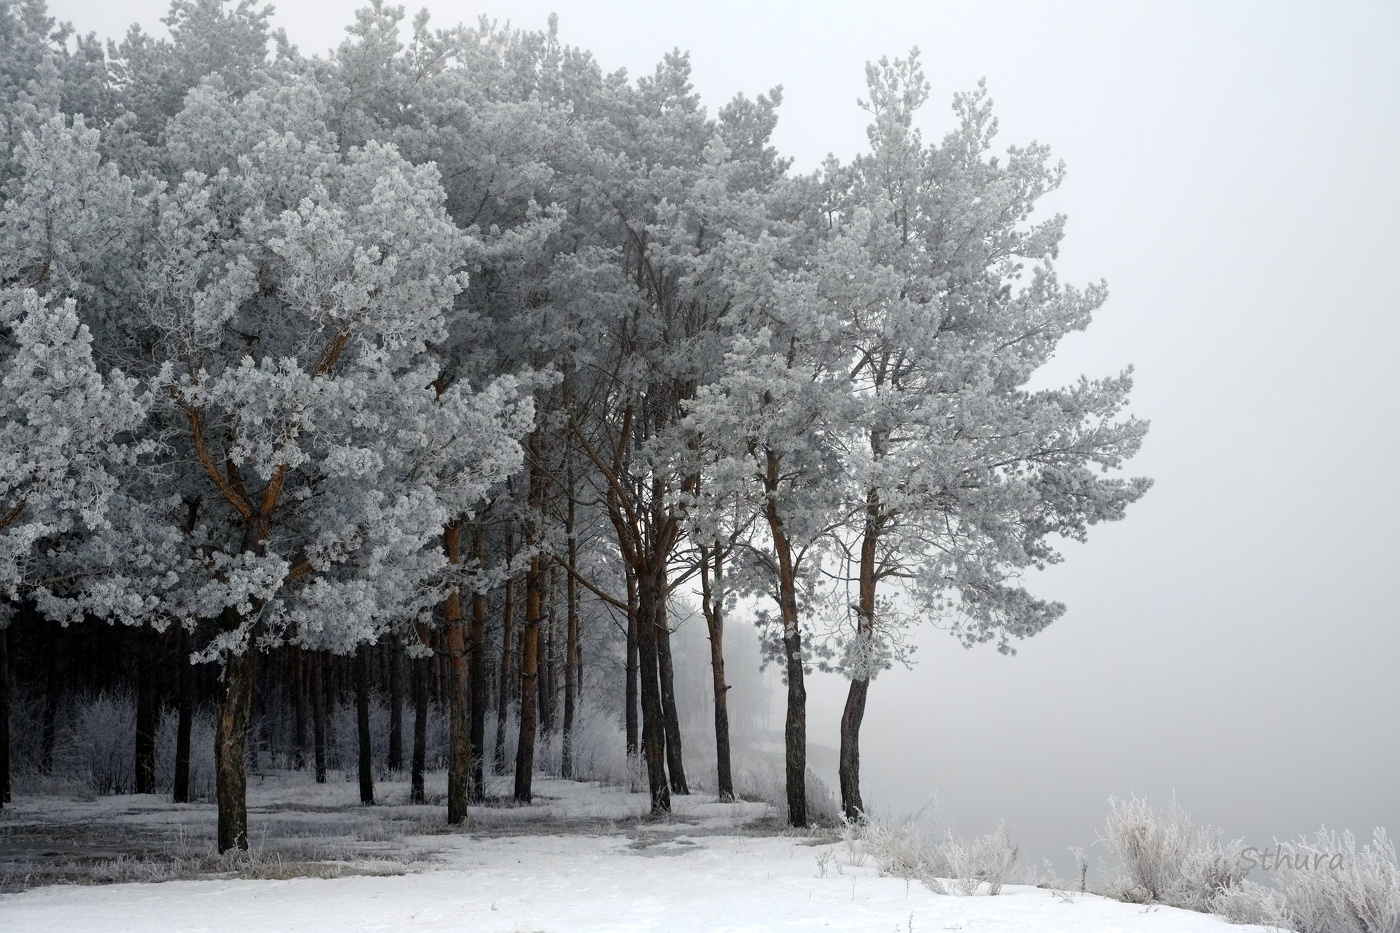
point(1164, 858)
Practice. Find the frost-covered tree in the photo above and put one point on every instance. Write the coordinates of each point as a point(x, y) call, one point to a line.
point(282, 299)
point(957, 476)
point(65, 431)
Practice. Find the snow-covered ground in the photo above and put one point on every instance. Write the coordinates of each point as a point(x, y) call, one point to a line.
point(580, 859)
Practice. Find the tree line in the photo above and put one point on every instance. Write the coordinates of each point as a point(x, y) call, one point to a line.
point(451, 333)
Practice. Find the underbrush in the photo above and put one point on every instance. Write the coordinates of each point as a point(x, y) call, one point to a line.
point(1327, 884)
point(944, 863)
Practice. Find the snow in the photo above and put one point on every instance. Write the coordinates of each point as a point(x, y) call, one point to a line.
point(579, 859)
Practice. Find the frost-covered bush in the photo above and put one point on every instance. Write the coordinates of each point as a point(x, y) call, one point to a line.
point(599, 744)
point(945, 864)
point(1359, 895)
point(1164, 858)
point(990, 858)
point(902, 850)
point(100, 750)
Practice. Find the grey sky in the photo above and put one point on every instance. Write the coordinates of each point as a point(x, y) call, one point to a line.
point(1233, 174)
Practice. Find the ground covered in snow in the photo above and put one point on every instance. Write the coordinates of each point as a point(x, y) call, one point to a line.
point(582, 858)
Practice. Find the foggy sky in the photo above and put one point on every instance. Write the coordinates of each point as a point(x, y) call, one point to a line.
point(1233, 175)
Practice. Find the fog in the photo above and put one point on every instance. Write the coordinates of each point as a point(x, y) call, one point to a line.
point(1233, 175)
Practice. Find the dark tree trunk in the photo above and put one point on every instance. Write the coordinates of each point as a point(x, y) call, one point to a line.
point(529, 688)
point(633, 664)
point(476, 671)
point(712, 597)
point(231, 743)
point(854, 712)
point(649, 594)
point(459, 750)
point(318, 714)
point(507, 643)
point(851, 717)
point(395, 677)
point(395, 761)
point(147, 709)
point(571, 655)
point(416, 793)
point(4, 716)
point(366, 758)
point(674, 760)
point(795, 728)
point(180, 789)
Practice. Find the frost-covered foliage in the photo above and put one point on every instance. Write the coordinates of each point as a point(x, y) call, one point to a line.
point(61, 430)
point(1326, 884)
point(945, 864)
point(1164, 857)
point(1344, 888)
point(273, 328)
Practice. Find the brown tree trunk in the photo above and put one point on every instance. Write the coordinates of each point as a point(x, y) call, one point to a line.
point(147, 710)
point(231, 742)
point(674, 760)
point(459, 750)
point(795, 727)
point(318, 714)
point(633, 665)
point(395, 648)
point(649, 595)
point(712, 597)
point(530, 635)
point(529, 690)
point(180, 789)
point(851, 717)
point(366, 758)
point(507, 643)
point(854, 712)
point(571, 654)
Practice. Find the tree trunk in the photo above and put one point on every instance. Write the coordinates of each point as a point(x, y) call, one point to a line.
point(476, 672)
point(417, 793)
point(633, 665)
point(147, 710)
point(529, 689)
point(231, 743)
point(366, 752)
point(674, 761)
point(507, 643)
point(795, 728)
point(649, 595)
point(459, 750)
point(5, 715)
point(712, 598)
point(180, 786)
point(395, 761)
point(571, 656)
point(854, 712)
point(318, 715)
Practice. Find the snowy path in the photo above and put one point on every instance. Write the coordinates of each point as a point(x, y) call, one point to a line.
point(608, 884)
